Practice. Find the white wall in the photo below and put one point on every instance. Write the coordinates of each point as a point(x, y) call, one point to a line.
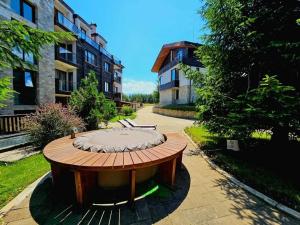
point(168, 97)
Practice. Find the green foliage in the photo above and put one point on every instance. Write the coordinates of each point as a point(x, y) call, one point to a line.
point(142, 98)
point(5, 90)
point(272, 106)
point(109, 111)
point(246, 40)
point(122, 117)
point(127, 110)
point(50, 122)
point(16, 36)
point(88, 103)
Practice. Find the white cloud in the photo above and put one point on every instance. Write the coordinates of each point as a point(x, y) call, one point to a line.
point(138, 86)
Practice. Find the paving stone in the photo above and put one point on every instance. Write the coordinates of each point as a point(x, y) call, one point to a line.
point(201, 196)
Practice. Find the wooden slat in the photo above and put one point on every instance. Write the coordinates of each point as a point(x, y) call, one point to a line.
point(171, 150)
point(127, 159)
point(91, 161)
point(84, 159)
point(156, 153)
point(76, 157)
point(149, 155)
point(135, 158)
point(110, 161)
point(102, 160)
point(143, 157)
point(162, 152)
point(119, 161)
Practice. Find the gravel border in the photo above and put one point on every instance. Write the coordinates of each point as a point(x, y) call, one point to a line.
point(245, 187)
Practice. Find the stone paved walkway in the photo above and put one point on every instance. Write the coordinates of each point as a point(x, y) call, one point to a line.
point(201, 196)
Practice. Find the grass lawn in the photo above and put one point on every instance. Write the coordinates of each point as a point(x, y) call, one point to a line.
point(272, 172)
point(122, 117)
point(14, 177)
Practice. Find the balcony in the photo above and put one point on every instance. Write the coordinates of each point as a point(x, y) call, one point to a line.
point(62, 88)
point(118, 79)
point(172, 84)
point(65, 56)
point(117, 96)
point(62, 21)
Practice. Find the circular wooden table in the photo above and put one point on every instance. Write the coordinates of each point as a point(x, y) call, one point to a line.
point(84, 165)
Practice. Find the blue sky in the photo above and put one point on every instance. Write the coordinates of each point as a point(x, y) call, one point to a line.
point(137, 29)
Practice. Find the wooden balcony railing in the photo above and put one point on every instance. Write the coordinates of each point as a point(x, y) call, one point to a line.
point(12, 123)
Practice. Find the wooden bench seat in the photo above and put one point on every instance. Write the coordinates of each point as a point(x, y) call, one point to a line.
point(62, 155)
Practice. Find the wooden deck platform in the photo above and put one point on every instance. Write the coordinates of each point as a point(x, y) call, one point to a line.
point(63, 156)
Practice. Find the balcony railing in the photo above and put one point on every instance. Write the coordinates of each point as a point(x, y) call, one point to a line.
point(172, 84)
point(118, 79)
point(66, 56)
point(117, 96)
point(63, 21)
point(62, 88)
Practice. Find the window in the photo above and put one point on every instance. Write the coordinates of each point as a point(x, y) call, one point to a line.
point(174, 75)
point(159, 80)
point(177, 94)
point(83, 33)
point(26, 57)
point(90, 58)
point(116, 90)
point(63, 81)
point(24, 83)
point(28, 79)
point(179, 54)
point(24, 9)
point(106, 87)
point(107, 67)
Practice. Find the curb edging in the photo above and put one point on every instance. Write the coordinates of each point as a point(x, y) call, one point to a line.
point(245, 187)
point(24, 194)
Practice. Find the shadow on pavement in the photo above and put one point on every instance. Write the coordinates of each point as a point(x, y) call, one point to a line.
point(247, 207)
point(48, 207)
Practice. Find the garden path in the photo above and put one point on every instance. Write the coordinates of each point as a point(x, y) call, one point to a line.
point(201, 196)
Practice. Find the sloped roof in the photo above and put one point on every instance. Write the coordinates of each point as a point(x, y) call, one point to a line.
point(165, 50)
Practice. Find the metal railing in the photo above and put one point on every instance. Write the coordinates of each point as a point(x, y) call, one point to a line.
point(65, 55)
point(12, 123)
point(65, 22)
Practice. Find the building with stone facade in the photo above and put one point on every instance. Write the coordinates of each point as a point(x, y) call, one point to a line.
point(61, 67)
point(174, 87)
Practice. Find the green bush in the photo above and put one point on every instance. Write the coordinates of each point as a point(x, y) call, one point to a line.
point(50, 122)
point(109, 111)
point(88, 102)
point(126, 110)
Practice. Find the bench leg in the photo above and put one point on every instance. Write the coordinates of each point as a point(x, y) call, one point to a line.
point(132, 177)
point(85, 182)
point(56, 176)
point(168, 172)
point(179, 161)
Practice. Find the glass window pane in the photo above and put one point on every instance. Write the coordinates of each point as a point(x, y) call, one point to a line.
point(28, 57)
point(28, 79)
point(15, 6)
point(28, 12)
point(18, 52)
